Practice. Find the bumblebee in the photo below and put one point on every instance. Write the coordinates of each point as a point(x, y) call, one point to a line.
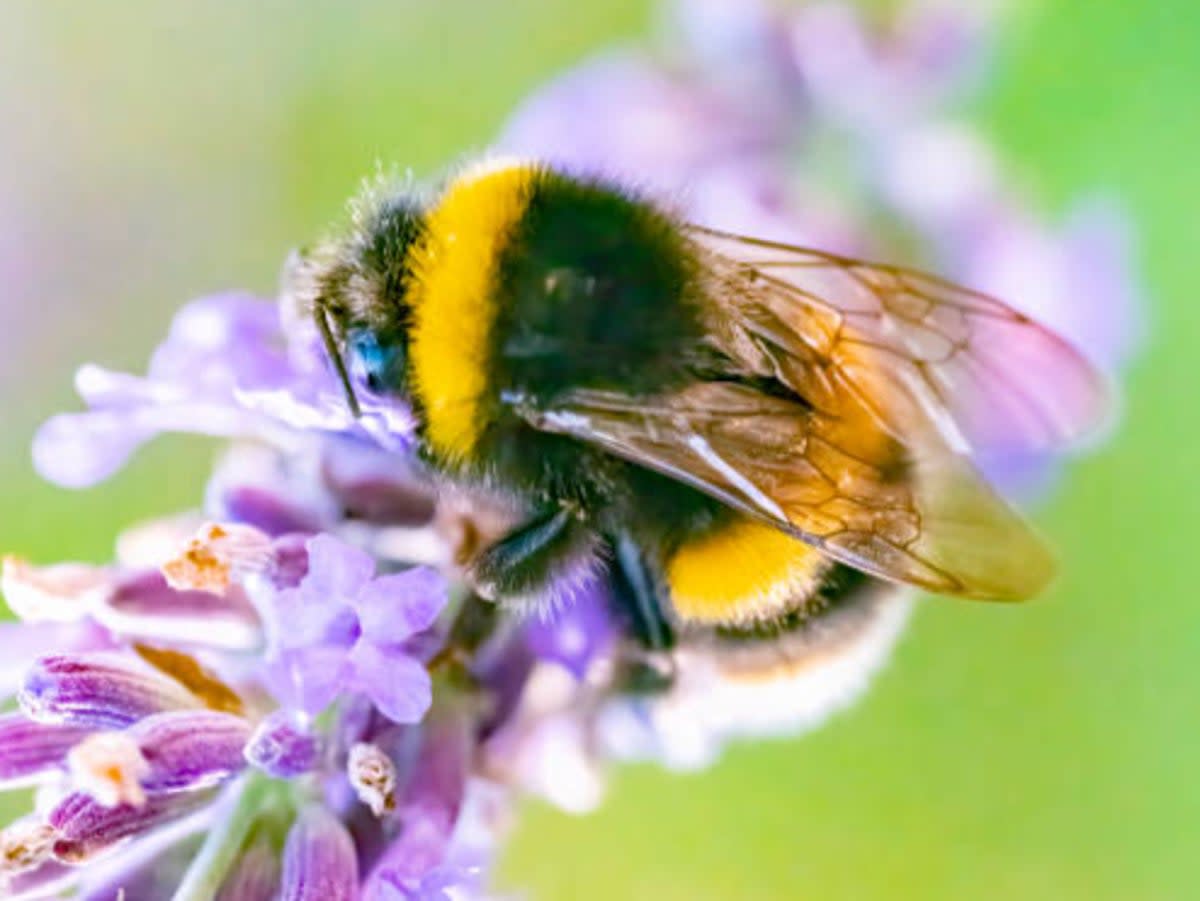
point(742, 428)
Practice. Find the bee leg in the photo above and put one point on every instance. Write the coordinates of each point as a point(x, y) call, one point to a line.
point(529, 558)
point(649, 667)
point(638, 592)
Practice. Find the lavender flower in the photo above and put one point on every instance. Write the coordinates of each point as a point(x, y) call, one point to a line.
point(319, 860)
point(290, 693)
point(222, 366)
point(341, 629)
point(142, 738)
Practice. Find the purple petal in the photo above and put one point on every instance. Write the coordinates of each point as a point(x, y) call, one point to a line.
point(62, 592)
point(946, 45)
point(391, 608)
point(77, 450)
point(357, 721)
point(262, 508)
point(843, 75)
point(317, 611)
point(50, 879)
point(388, 422)
point(107, 390)
point(21, 644)
point(255, 876)
point(81, 449)
point(439, 778)
point(1099, 255)
point(282, 747)
point(619, 116)
point(303, 617)
point(503, 668)
point(727, 37)
point(319, 861)
point(101, 690)
point(375, 486)
point(190, 750)
point(163, 853)
point(758, 197)
point(29, 750)
point(316, 410)
point(143, 604)
point(86, 827)
point(291, 561)
point(308, 679)
point(221, 342)
point(337, 570)
point(314, 399)
point(1022, 478)
point(398, 685)
point(942, 178)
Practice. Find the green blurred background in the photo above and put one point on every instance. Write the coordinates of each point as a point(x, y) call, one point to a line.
point(151, 152)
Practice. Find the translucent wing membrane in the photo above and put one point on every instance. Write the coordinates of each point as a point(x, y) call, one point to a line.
point(894, 377)
point(846, 490)
point(919, 351)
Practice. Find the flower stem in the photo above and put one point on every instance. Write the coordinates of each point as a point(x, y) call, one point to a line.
point(225, 839)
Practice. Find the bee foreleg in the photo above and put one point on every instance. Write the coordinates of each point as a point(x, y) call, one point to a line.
point(528, 559)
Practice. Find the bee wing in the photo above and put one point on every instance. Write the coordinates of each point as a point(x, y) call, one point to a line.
point(924, 355)
point(850, 491)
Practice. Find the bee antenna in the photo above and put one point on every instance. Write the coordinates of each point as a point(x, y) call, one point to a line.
point(321, 318)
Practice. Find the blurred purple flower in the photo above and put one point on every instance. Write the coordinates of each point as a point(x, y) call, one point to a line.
point(817, 128)
point(342, 629)
point(319, 860)
point(577, 634)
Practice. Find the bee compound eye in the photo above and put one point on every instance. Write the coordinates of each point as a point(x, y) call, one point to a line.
point(375, 363)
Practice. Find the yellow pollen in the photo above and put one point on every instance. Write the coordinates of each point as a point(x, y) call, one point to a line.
point(210, 561)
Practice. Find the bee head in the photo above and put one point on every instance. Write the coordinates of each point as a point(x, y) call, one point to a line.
point(354, 288)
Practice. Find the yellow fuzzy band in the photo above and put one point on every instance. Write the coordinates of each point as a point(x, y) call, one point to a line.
point(741, 573)
point(452, 301)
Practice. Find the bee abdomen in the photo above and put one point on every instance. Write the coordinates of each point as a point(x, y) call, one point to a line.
point(742, 572)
